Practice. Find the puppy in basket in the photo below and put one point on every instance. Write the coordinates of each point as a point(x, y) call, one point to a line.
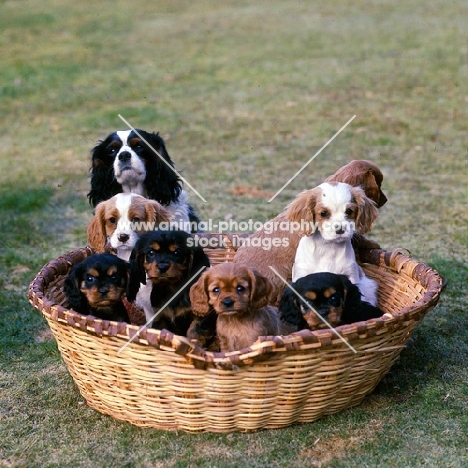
point(96, 286)
point(321, 299)
point(362, 173)
point(240, 296)
point(118, 222)
point(335, 211)
point(163, 266)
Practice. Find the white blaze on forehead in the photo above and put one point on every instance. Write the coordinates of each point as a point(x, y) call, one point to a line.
point(336, 195)
point(123, 135)
point(123, 202)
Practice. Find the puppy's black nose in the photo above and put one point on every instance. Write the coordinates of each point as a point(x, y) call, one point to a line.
point(228, 302)
point(323, 312)
point(124, 156)
point(163, 267)
point(103, 292)
point(123, 237)
point(339, 230)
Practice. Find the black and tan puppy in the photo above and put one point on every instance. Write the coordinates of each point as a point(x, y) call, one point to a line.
point(96, 286)
point(332, 296)
point(163, 266)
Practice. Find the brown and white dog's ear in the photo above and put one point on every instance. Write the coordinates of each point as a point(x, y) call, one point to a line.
point(367, 210)
point(262, 291)
point(156, 213)
point(302, 208)
point(199, 298)
point(97, 237)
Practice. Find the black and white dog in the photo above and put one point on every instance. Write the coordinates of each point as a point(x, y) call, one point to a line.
point(136, 161)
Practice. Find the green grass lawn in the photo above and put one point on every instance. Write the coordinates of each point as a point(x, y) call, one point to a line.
point(244, 93)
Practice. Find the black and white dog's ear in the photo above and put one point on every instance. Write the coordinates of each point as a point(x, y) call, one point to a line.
point(162, 183)
point(137, 274)
point(103, 183)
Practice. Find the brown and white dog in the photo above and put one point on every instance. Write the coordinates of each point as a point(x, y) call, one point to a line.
point(240, 298)
point(335, 211)
point(119, 221)
point(362, 173)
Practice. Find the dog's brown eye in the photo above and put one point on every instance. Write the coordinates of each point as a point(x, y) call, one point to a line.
point(112, 220)
point(216, 290)
point(348, 212)
point(240, 288)
point(90, 279)
point(324, 214)
point(176, 253)
point(136, 220)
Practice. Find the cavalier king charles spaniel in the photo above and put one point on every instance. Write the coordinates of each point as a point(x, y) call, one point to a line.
point(240, 297)
point(163, 266)
point(118, 222)
point(324, 295)
point(358, 173)
point(97, 285)
point(335, 211)
point(138, 162)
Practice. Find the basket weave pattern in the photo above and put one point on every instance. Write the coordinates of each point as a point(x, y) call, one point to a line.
point(162, 380)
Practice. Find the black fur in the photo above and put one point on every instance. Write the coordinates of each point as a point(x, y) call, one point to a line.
point(354, 309)
point(101, 263)
point(177, 315)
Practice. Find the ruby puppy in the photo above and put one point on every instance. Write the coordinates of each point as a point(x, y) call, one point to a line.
point(240, 296)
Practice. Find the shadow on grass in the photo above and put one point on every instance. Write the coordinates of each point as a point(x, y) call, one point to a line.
point(439, 346)
point(19, 209)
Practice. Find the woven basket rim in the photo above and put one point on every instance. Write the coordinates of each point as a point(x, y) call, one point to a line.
point(395, 260)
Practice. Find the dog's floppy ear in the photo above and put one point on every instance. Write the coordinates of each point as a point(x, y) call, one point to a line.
point(156, 213)
point(97, 237)
point(103, 183)
point(289, 310)
point(302, 208)
point(162, 183)
point(367, 210)
point(356, 310)
point(199, 298)
point(365, 174)
point(71, 287)
point(199, 259)
point(137, 273)
point(262, 291)
point(371, 188)
point(351, 293)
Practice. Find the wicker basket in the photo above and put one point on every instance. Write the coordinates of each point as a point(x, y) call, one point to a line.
point(162, 380)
